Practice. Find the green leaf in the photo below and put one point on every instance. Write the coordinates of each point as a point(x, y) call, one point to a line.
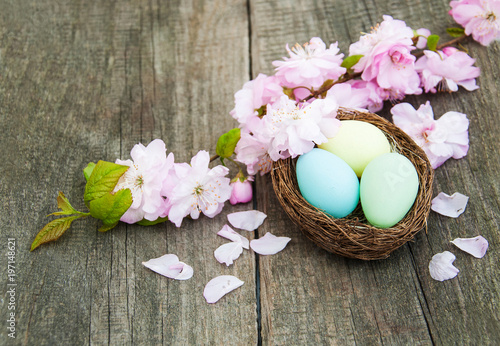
point(227, 142)
point(87, 171)
point(432, 42)
point(53, 230)
point(350, 61)
point(105, 228)
point(145, 222)
point(103, 179)
point(110, 207)
point(261, 111)
point(456, 32)
point(289, 92)
point(65, 206)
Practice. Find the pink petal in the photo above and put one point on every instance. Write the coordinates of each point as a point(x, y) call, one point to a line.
point(228, 233)
point(475, 246)
point(269, 244)
point(218, 287)
point(441, 267)
point(451, 206)
point(248, 220)
point(228, 252)
point(169, 266)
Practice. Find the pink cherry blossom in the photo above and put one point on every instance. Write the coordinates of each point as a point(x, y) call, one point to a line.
point(376, 95)
point(145, 178)
point(422, 35)
point(441, 266)
point(310, 65)
point(476, 246)
point(345, 95)
point(242, 190)
point(252, 150)
point(480, 18)
point(441, 139)
point(446, 70)
point(295, 129)
point(387, 58)
point(199, 190)
point(255, 94)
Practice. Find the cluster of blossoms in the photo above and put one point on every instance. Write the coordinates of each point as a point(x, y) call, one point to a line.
point(162, 188)
point(287, 114)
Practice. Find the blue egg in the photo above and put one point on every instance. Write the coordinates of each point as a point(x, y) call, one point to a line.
point(327, 182)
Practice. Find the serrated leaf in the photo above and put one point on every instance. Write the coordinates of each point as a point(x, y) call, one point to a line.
point(145, 222)
point(432, 42)
point(87, 171)
point(456, 32)
point(103, 180)
point(350, 61)
point(65, 206)
point(53, 230)
point(227, 143)
point(110, 207)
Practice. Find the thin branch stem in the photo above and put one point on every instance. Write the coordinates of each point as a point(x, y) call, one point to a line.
point(213, 158)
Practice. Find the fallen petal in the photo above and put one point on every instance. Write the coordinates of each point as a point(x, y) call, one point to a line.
point(227, 253)
point(169, 266)
point(451, 206)
point(218, 287)
point(441, 267)
point(248, 220)
point(476, 246)
point(228, 233)
point(269, 244)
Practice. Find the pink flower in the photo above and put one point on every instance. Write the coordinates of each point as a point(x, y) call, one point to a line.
point(421, 36)
point(441, 139)
point(446, 70)
point(242, 190)
point(295, 129)
point(252, 150)
point(145, 178)
point(481, 18)
point(345, 95)
point(255, 94)
point(310, 65)
point(199, 190)
point(376, 95)
point(387, 58)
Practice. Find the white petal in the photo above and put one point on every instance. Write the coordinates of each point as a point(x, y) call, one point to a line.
point(228, 233)
point(441, 267)
point(475, 246)
point(218, 287)
point(169, 266)
point(269, 244)
point(248, 220)
point(227, 253)
point(451, 206)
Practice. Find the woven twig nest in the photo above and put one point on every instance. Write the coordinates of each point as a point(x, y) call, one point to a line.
point(352, 236)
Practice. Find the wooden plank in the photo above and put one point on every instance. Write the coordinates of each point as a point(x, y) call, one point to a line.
point(308, 295)
point(82, 82)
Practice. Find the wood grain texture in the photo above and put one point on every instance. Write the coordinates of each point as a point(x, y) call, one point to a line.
point(310, 296)
point(86, 81)
point(82, 81)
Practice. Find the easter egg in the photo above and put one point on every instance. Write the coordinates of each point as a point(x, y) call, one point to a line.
point(388, 188)
point(327, 182)
point(357, 143)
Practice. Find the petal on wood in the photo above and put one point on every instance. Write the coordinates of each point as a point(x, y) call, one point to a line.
point(227, 253)
point(228, 233)
point(248, 220)
point(269, 244)
point(441, 267)
point(170, 266)
point(451, 206)
point(476, 246)
point(218, 287)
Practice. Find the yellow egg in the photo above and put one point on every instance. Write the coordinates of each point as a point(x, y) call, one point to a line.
point(357, 143)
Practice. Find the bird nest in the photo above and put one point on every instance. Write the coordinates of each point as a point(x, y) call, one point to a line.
point(352, 236)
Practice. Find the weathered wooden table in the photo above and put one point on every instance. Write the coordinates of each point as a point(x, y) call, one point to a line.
point(82, 81)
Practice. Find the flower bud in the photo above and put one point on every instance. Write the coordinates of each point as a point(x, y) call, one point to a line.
point(242, 190)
